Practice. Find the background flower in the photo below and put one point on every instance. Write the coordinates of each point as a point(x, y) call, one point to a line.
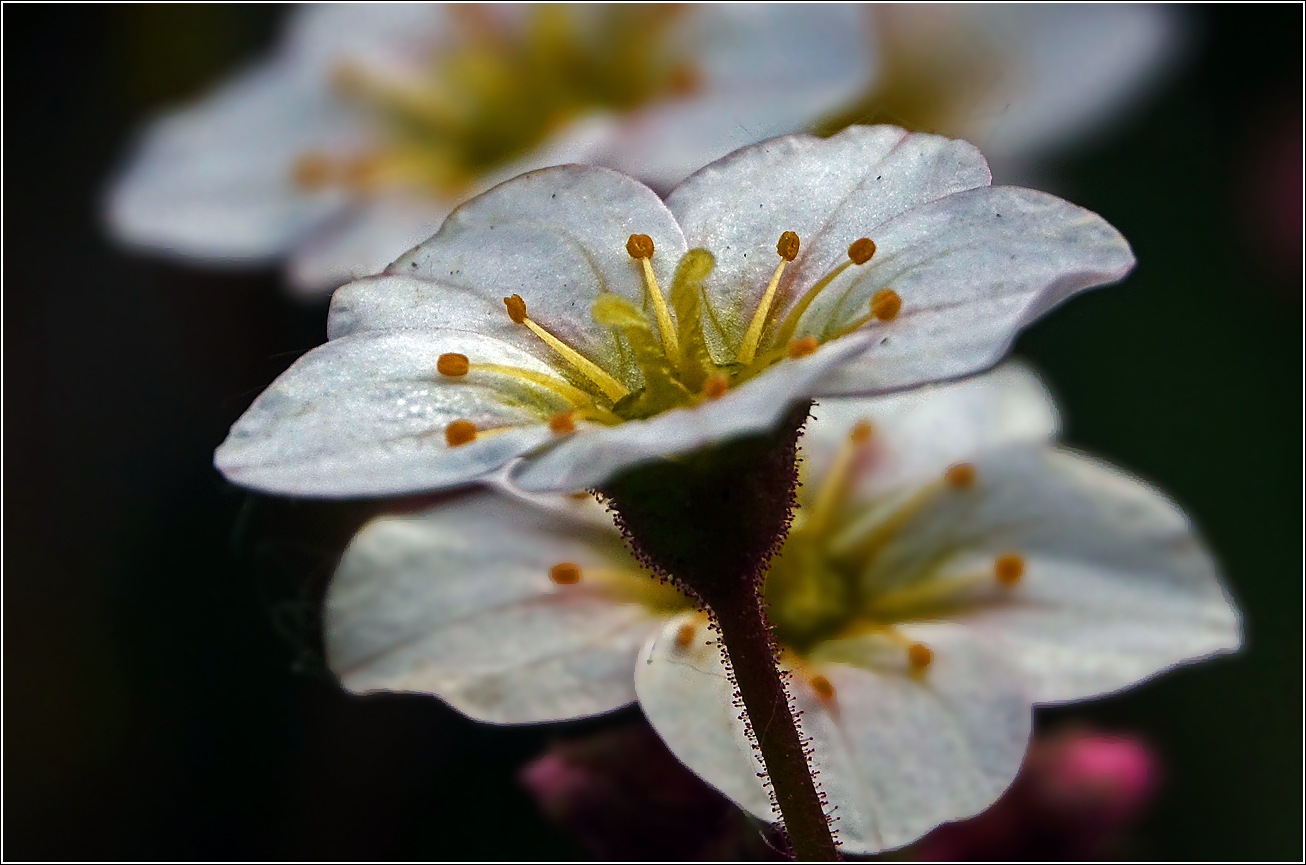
point(352, 143)
point(892, 554)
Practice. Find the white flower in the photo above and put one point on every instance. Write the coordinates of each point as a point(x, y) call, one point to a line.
point(536, 323)
point(352, 143)
point(1018, 80)
point(948, 569)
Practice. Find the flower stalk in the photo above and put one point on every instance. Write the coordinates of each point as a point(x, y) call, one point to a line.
point(710, 522)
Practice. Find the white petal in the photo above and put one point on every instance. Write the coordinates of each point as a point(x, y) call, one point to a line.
point(971, 269)
point(1116, 587)
point(366, 416)
point(765, 71)
point(556, 236)
point(1068, 70)
point(919, 433)
point(898, 756)
point(830, 192)
point(365, 240)
point(395, 37)
point(588, 459)
point(217, 180)
point(689, 699)
point(457, 602)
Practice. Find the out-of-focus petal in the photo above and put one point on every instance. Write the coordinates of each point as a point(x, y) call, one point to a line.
point(1115, 587)
point(366, 416)
point(458, 602)
point(900, 754)
point(588, 460)
point(830, 192)
point(918, 434)
point(971, 269)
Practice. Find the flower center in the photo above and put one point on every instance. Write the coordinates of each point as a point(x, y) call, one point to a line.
point(493, 93)
point(834, 578)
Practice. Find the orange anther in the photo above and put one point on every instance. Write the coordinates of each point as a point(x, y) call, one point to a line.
point(565, 574)
point(886, 304)
point(861, 432)
point(563, 422)
point(802, 347)
point(716, 386)
point(684, 636)
point(640, 246)
point(516, 308)
point(823, 688)
point(919, 656)
point(787, 246)
point(1008, 568)
point(460, 432)
point(452, 364)
point(861, 250)
point(960, 476)
point(313, 171)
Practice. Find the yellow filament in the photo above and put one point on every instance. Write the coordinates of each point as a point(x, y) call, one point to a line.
point(836, 483)
point(611, 388)
point(748, 349)
point(669, 340)
point(572, 394)
point(790, 324)
point(925, 597)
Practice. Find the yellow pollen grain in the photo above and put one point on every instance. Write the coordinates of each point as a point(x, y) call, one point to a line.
point(613, 389)
point(313, 171)
point(886, 304)
point(563, 422)
point(861, 250)
point(565, 573)
point(684, 636)
point(1008, 568)
point(960, 476)
point(802, 347)
point(716, 386)
point(788, 244)
point(460, 432)
point(861, 432)
point(919, 657)
point(452, 365)
point(823, 688)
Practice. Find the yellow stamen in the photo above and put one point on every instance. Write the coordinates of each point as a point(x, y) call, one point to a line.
point(563, 422)
point(960, 476)
point(611, 388)
point(684, 636)
point(823, 688)
point(716, 386)
point(1008, 569)
point(859, 252)
point(787, 249)
point(313, 171)
point(565, 574)
point(837, 480)
point(460, 432)
point(919, 658)
point(640, 247)
point(801, 347)
point(570, 393)
point(886, 304)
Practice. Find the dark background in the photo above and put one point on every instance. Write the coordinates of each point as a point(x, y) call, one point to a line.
point(162, 697)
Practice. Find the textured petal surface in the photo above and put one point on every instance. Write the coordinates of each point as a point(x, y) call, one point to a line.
point(586, 460)
point(829, 192)
point(764, 70)
point(919, 433)
point(896, 756)
point(556, 236)
point(1116, 586)
point(366, 416)
point(457, 602)
point(971, 269)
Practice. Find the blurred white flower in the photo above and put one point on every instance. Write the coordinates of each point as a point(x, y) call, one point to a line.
point(370, 122)
point(1018, 80)
point(873, 260)
point(948, 568)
